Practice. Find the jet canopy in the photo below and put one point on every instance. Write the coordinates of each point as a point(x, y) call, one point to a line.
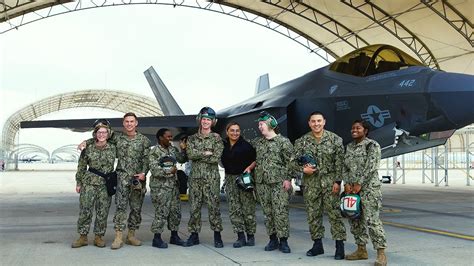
point(373, 59)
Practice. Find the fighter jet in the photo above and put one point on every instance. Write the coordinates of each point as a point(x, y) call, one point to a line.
point(409, 105)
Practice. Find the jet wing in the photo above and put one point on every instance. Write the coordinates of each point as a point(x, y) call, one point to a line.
point(146, 125)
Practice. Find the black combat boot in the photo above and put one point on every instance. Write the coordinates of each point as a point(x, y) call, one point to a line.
point(317, 248)
point(339, 250)
point(158, 242)
point(284, 245)
point(250, 240)
point(192, 240)
point(175, 239)
point(272, 244)
point(240, 240)
point(218, 240)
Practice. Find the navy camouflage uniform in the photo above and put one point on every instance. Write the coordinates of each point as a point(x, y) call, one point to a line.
point(241, 203)
point(317, 193)
point(204, 179)
point(132, 156)
point(361, 163)
point(93, 192)
point(272, 168)
point(164, 189)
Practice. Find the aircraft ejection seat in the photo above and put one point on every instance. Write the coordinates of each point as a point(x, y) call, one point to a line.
point(357, 65)
point(385, 66)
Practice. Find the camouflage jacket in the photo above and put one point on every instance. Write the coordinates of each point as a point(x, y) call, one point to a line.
point(160, 174)
point(204, 165)
point(329, 154)
point(361, 163)
point(101, 159)
point(132, 153)
point(273, 159)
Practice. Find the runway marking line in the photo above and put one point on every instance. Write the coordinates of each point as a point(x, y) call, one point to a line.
point(412, 227)
point(432, 231)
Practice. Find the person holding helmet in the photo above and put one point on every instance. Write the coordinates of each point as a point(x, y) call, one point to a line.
point(238, 158)
point(132, 152)
point(164, 187)
point(322, 182)
point(204, 149)
point(273, 181)
point(360, 172)
point(96, 163)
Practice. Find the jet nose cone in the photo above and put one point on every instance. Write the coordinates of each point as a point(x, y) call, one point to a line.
point(453, 94)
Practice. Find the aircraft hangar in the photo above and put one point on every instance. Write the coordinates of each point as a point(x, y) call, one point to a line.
point(107, 99)
point(439, 33)
point(425, 226)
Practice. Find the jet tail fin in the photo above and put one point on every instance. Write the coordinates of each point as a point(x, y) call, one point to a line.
point(168, 104)
point(263, 84)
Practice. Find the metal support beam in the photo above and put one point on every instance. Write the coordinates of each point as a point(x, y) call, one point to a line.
point(397, 165)
point(454, 18)
point(320, 19)
point(223, 8)
point(469, 153)
point(446, 162)
point(397, 29)
point(441, 163)
point(426, 163)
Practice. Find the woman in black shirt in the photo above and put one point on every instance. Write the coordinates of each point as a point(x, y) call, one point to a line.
point(239, 157)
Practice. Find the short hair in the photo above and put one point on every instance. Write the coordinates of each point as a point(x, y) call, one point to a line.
point(161, 132)
point(231, 123)
point(130, 114)
point(316, 113)
point(364, 124)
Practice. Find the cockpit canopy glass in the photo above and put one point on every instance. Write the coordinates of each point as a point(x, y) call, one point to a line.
point(373, 59)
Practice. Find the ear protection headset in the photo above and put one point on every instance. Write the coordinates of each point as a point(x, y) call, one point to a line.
point(207, 112)
point(101, 123)
point(267, 117)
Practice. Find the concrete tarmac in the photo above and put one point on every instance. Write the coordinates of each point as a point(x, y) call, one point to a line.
point(425, 225)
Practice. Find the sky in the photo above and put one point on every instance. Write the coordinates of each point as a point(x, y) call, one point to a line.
point(204, 58)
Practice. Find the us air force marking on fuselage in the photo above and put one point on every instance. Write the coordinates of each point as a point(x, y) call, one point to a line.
point(375, 116)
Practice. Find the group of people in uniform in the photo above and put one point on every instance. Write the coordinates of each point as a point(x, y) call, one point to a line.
point(270, 160)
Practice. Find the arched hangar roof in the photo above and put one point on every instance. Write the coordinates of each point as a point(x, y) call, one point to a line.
point(437, 32)
point(107, 99)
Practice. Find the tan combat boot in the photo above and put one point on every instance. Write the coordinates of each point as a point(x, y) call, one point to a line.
point(381, 258)
point(118, 242)
point(132, 240)
point(359, 254)
point(99, 242)
point(80, 242)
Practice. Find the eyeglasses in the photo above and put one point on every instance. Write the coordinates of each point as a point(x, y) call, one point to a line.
point(102, 132)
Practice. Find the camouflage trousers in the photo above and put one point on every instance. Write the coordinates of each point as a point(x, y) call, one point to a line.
point(91, 197)
point(371, 203)
point(204, 190)
point(167, 208)
point(127, 196)
point(274, 201)
point(317, 200)
point(241, 207)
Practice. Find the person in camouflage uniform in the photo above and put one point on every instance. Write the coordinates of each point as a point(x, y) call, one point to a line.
point(204, 149)
point(360, 172)
point(322, 183)
point(93, 192)
point(132, 152)
point(273, 181)
point(239, 157)
point(164, 187)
